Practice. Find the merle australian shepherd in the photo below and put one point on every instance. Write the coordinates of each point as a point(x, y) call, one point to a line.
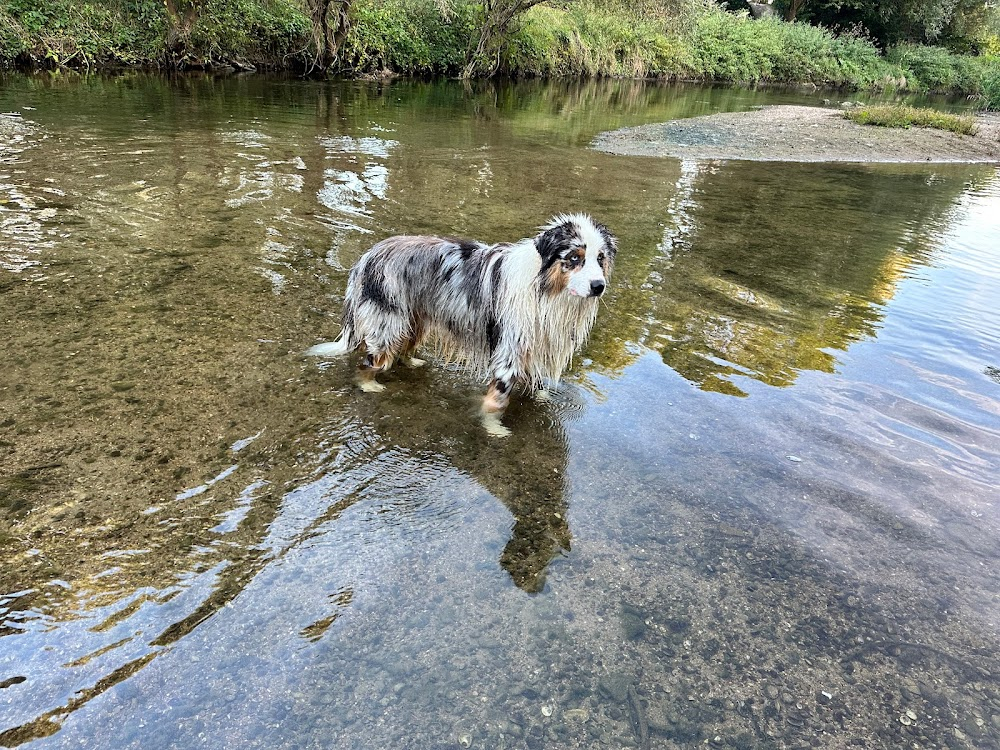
point(514, 313)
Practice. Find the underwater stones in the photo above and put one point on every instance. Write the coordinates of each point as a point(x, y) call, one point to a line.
point(465, 739)
point(509, 728)
point(546, 710)
point(528, 691)
point(634, 625)
point(614, 686)
point(660, 716)
point(972, 725)
point(678, 625)
point(578, 715)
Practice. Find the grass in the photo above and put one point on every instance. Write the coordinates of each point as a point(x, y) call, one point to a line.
point(587, 39)
point(115, 33)
point(937, 69)
point(731, 48)
point(990, 94)
point(902, 116)
point(679, 39)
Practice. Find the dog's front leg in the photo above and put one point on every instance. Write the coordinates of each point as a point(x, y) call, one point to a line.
point(371, 366)
point(494, 405)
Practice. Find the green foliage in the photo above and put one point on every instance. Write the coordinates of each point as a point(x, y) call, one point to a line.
point(411, 36)
point(889, 23)
point(625, 38)
point(59, 32)
point(937, 69)
point(133, 32)
point(901, 116)
point(730, 47)
point(590, 40)
point(248, 30)
point(14, 42)
point(990, 96)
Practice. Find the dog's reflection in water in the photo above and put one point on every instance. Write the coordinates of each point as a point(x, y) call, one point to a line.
point(527, 472)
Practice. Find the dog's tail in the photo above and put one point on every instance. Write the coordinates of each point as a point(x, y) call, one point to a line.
point(337, 348)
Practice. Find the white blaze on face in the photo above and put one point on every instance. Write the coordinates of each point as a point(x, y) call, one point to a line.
point(582, 279)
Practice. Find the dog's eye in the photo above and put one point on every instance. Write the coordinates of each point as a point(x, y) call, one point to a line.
point(600, 258)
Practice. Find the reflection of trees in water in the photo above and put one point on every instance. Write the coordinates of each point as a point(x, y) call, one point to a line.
point(765, 269)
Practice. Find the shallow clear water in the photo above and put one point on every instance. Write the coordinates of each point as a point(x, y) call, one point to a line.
point(761, 511)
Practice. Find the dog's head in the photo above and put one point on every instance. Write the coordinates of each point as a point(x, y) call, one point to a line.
point(577, 254)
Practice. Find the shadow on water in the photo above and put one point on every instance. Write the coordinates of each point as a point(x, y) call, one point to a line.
point(208, 539)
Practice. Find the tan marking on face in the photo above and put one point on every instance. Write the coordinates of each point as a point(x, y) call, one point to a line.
point(556, 278)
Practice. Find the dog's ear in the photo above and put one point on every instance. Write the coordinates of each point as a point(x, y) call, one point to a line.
point(554, 241)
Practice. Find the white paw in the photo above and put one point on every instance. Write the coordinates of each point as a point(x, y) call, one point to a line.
point(371, 386)
point(543, 395)
point(414, 362)
point(493, 426)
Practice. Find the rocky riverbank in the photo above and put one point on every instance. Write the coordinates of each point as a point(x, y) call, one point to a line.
point(802, 134)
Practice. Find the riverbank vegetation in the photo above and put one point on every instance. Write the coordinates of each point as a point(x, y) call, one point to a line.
point(902, 116)
point(678, 39)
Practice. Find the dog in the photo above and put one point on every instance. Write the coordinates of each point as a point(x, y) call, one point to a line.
point(514, 313)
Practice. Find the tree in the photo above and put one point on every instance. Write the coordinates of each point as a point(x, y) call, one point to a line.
point(889, 23)
point(327, 35)
point(181, 18)
point(497, 16)
point(794, 6)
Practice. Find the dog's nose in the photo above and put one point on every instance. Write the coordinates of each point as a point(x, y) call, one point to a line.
point(597, 288)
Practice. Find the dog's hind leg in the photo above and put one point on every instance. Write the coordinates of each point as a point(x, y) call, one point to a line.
point(411, 361)
point(415, 339)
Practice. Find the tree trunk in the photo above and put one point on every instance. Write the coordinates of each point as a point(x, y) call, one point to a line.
point(497, 17)
point(327, 36)
point(179, 25)
point(793, 9)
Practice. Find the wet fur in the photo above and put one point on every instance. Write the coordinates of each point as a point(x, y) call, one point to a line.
point(506, 311)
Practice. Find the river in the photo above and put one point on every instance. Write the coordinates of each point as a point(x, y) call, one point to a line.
point(760, 511)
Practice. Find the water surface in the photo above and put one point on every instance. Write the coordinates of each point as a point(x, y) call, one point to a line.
point(761, 511)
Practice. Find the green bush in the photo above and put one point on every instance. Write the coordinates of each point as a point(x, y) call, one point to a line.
point(133, 32)
point(591, 40)
point(407, 36)
point(937, 69)
point(991, 85)
point(730, 47)
point(13, 40)
point(249, 30)
point(627, 38)
point(59, 32)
